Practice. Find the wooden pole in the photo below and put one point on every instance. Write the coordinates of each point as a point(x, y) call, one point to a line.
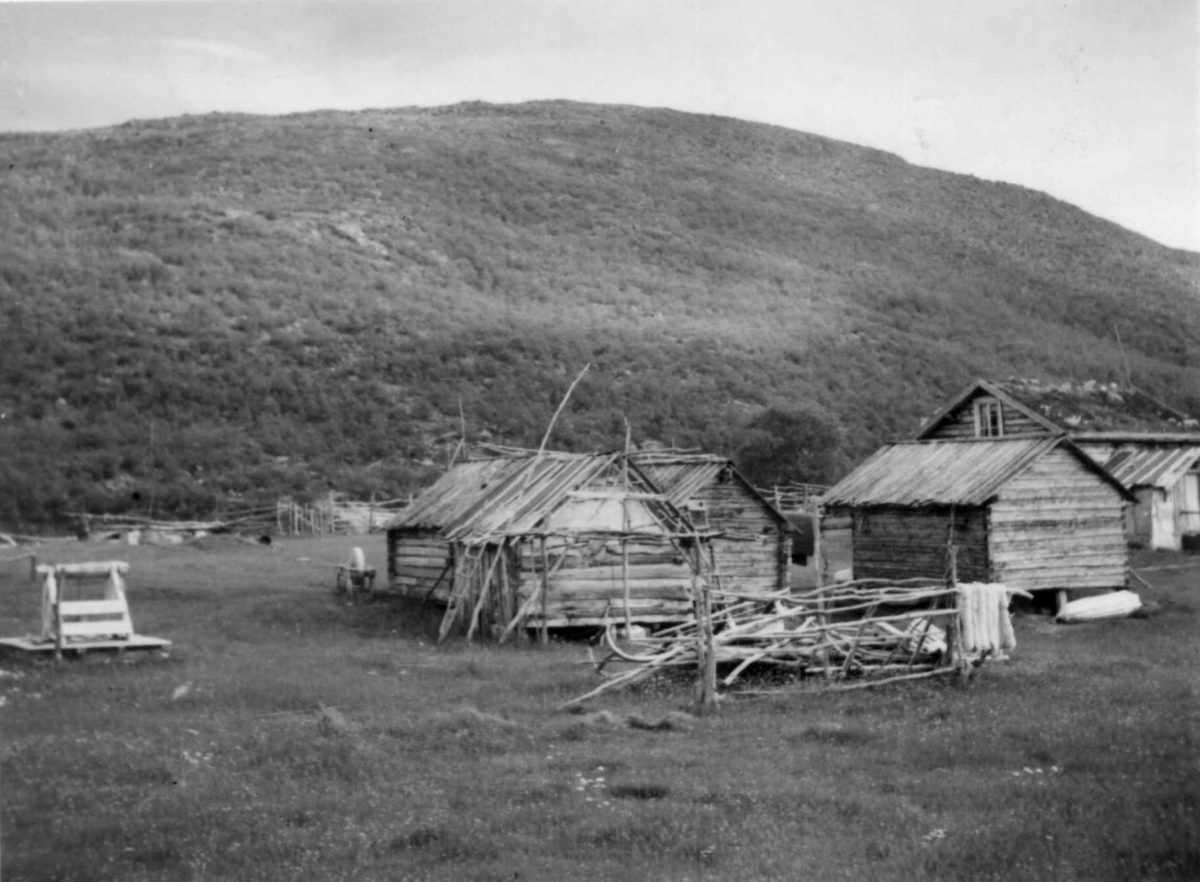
point(701, 661)
point(507, 608)
point(822, 606)
point(818, 550)
point(625, 530)
point(561, 405)
point(484, 589)
point(705, 651)
point(543, 631)
point(625, 584)
point(458, 581)
point(59, 584)
point(958, 656)
point(866, 620)
point(538, 594)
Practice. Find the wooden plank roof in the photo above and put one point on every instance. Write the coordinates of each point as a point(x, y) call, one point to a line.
point(679, 475)
point(1161, 466)
point(960, 472)
point(682, 475)
point(542, 493)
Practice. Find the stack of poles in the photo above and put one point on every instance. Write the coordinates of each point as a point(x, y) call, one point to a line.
point(845, 629)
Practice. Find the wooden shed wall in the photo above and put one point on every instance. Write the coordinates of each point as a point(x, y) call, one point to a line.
point(416, 560)
point(755, 554)
point(590, 582)
point(960, 423)
point(836, 544)
point(1139, 518)
point(584, 588)
point(1140, 515)
point(895, 542)
point(1058, 525)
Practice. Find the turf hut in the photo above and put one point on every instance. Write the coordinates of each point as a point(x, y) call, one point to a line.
point(752, 540)
point(547, 540)
point(1034, 513)
point(1151, 448)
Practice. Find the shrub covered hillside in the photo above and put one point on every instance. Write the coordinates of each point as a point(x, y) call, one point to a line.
point(206, 310)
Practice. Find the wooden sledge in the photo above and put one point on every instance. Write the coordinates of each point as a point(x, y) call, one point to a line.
point(82, 625)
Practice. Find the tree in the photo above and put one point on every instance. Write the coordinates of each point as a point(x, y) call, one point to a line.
point(786, 446)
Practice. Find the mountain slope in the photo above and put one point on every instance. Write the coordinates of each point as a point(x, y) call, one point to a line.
point(206, 308)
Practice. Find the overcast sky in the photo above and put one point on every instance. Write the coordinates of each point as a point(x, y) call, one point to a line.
point(1094, 101)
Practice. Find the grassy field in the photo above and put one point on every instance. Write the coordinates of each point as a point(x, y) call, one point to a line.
point(288, 735)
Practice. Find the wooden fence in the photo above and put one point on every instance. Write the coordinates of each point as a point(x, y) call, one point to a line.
point(794, 497)
point(330, 516)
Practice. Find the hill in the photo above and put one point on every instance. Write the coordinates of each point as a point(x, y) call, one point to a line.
point(201, 310)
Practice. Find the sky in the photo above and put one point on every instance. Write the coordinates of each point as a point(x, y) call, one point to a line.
point(1096, 102)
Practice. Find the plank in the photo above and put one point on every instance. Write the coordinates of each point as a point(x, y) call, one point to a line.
point(419, 572)
point(415, 560)
point(1049, 515)
point(607, 586)
point(95, 608)
point(585, 620)
point(90, 628)
point(616, 594)
point(86, 568)
point(637, 572)
point(615, 612)
point(134, 641)
point(1047, 561)
point(1064, 577)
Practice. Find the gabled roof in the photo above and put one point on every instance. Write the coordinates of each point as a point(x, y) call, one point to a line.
point(958, 472)
point(1076, 408)
point(1157, 466)
point(680, 475)
point(541, 493)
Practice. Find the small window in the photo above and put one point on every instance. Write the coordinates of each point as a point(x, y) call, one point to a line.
point(988, 420)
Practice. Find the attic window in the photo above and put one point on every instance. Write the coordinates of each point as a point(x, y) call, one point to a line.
point(989, 422)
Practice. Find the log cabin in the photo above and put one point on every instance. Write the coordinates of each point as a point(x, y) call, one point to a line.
point(752, 539)
point(528, 541)
point(1033, 512)
point(1152, 449)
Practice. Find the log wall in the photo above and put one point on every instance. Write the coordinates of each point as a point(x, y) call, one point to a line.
point(1139, 518)
point(416, 560)
point(960, 423)
point(754, 555)
point(587, 581)
point(1057, 525)
point(837, 544)
point(893, 542)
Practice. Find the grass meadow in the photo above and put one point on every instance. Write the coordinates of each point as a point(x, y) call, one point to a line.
point(289, 735)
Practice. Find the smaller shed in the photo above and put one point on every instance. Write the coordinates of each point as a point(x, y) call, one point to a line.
point(753, 539)
point(547, 540)
point(1163, 473)
point(1035, 513)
